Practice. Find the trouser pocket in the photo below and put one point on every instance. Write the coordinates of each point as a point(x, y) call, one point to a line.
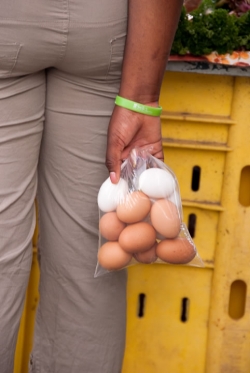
point(8, 58)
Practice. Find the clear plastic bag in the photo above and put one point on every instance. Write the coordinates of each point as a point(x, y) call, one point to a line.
point(140, 218)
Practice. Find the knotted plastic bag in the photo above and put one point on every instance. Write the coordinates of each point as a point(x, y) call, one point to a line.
point(140, 218)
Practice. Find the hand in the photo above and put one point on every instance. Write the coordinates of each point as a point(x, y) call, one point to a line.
point(127, 130)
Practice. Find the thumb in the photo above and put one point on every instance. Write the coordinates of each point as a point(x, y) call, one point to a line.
point(113, 162)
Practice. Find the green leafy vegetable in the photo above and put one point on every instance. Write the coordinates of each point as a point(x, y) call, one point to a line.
point(182, 35)
point(206, 30)
point(213, 31)
point(243, 24)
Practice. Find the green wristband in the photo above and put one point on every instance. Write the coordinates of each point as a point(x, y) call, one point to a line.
point(139, 108)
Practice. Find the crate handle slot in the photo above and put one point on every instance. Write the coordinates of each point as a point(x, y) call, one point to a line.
point(244, 191)
point(192, 220)
point(237, 299)
point(196, 175)
point(141, 305)
point(185, 303)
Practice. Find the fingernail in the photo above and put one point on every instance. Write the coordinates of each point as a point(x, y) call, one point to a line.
point(112, 176)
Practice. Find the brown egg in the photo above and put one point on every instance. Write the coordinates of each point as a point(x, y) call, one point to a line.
point(148, 256)
point(165, 218)
point(112, 257)
point(177, 251)
point(110, 226)
point(137, 237)
point(134, 208)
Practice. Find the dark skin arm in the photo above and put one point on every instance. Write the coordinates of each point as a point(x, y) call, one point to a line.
point(151, 28)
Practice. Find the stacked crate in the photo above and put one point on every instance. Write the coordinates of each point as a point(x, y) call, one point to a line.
point(185, 319)
point(26, 330)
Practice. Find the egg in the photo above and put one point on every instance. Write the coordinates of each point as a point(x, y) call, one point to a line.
point(110, 226)
point(134, 208)
point(176, 199)
point(137, 237)
point(148, 256)
point(156, 183)
point(112, 257)
point(177, 251)
point(110, 194)
point(165, 218)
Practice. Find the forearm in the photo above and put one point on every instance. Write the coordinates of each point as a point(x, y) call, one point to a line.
point(151, 29)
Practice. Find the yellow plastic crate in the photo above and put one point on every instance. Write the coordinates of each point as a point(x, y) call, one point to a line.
point(168, 311)
point(26, 330)
point(205, 125)
point(183, 319)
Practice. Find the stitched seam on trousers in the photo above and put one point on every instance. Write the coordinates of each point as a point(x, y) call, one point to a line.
point(14, 64)
point(112, 45)
point(78, 24)
point(110, 59)
point(65, 30)
point(11, 57)
point(23, 21)
point(36, 366)
point(81, 24)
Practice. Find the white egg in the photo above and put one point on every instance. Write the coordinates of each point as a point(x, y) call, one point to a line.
point(176, 199)
point(111, 194)
point(156, 183)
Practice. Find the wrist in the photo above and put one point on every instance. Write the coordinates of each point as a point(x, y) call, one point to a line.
point(146, 94)
point(139, 90)
point(151, 110)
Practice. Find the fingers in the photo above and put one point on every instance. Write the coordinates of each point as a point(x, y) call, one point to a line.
point(159, 155)
point(119, 136)
point(128, 130)
point(153, 149)
point(113, 161)
point(115, 146)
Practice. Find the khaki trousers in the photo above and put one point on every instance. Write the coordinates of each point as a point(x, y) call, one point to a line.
point(60, 64)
